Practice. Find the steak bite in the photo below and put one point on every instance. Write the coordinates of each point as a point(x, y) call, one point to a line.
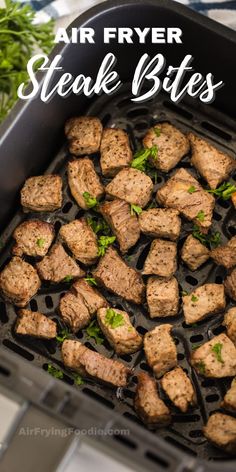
point(160, 349)
point(131, 185)
point(124, 225)
point(84, 134)
point(74, 312)
point(19, 282)
point(230, 323)
point(81, 240)
point(225, 255)
point(83, 178)
point(90, 296)
point(221, 431)
point(42, 193)
point(115, 151)
point(119, 331)
point(194, 253)
point(160, 223)
point(161, 259)
point(229, 402)
point(33, 323)
point(78, 357)
point(33, 238)
point(216, 358)
point(233, 198)
point(117, 277)
point(230, 284)
point(178, 386)
point(147, 403)
point(208, 299)
point(162, 297)
point(57, 266)
point(184, 193)
point(172, 145)
point(214, 165)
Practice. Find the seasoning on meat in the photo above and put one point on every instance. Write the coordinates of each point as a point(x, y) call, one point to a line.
point(230, 323)
point(124, 225)
point(178, 386)
point(229, 402)
point(221, 431)
point(19, 282)
point(160, 223)
point(162, 297)
point(160, 349)
point(225, 255)
point(208, 299)
point(161, 259)
point(83, 178)
point(117, 277)
point(81, 240)
point(57, 266)
point(42, 193)
point(194, 253)
point(33, 323)
point(115, 151)
point(78, 357)
point(216, 358)
point(91, 297)
point(84, 134)
point(33, 238)
point(184, 193)
point(131, 185)
point(147, 403)
point(230, 284)
point(214, 165)
point(172, 145)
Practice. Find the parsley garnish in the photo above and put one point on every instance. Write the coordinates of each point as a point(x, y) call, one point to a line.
point(140, 160)
point(135, 209)
point(64, 334)
point(98, 225)
point(201, 216)
point(113, 319)
point(157, 131)
point(194, 298)
point(68, 278)
point(78, 380)
point(93, 331)
point(192, 189)
point(57, 373)
point(201, 367)
point(90, 280)
point(217, 348)
point(90, 201)
point(209, 240)
point(40, 242)
point(225, 191)
point(103, 243)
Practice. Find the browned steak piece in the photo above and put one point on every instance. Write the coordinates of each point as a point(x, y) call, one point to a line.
point(234, 199)
point(131, 185)
point(172, 145)
point(19, 282)
point(42, 193)
point(117, 277)
point(184, 193)
point(84, 134)
point(194, 253)
point(115, 151)
point(74, 312)
point(214, 165)
point(33, 323)
point(83, 178)
point(33, 238)
point(225, 255)
point(230, 284)
point(216, 358)
point(147, 403)
point(161, 259)
point(162, 297)
point(57, 266)
point(125, 226)
point(160, 223)
point(229, 402)
point(221, 431)
point(78, 357)
point(91, 297)
point(179, 388)
point(81, 240)
point(208, 299)
point(160, 349)
point(230, 323)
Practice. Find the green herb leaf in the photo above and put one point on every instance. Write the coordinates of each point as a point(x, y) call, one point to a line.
point(68, 278)
point(210, 240)
point(99, 225)
point(201, 216)
point(194, 298)
point(157, 131)
point(91, 280)
point(90, 201)
point(62, 335)
point(225, 191)
point(103, 243)
point(135, 209)
point(217, 348)
point(40, 242)
point(192, 189)
point(113, 319)
point(201, 367)
point(94, 331)
point(184, 293)
point(78, 380)
point(57, 373)
point(141, 157)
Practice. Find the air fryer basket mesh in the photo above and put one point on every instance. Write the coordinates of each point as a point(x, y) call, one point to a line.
point(185, 430)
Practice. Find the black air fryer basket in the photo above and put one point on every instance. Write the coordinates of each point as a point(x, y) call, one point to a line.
point(32, 142)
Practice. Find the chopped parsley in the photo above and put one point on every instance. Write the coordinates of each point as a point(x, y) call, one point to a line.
point(201, 367)
point(57, 373)
point(225, 191)
point(135, 209)
point(98, 225)
point(217, 348)
point(68, 278)
point(90, 280)
point(192, 189)
point(113, 319)
point(90, 201)
point(40, 242)
point(157, 131)
point(93, 331)
point(201, 216)
point(140, 160)
point(78, 380)
point(103, 243)
point(194, 298)
point(62, 335)
point(210, 240)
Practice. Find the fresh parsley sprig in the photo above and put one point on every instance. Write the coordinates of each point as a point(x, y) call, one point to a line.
point(135, 209)
point(62, 335)
point(210, 240)
point(90, 201)
point(114, 319)
point(217, 349)
point(103, 243)
point(141, 157)
point(94, 331)
point(99, 225)
point(225, 191)
point(54, 372)
point(91, 281)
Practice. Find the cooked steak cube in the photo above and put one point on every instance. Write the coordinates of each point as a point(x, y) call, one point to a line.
point(229, 402)
point(160, 223)
point(33, 323)
point(216, 358)
point(90, 296)
point(33, 238)
point(225, 255)
point(147, 403)
point(42, 193)
point(115, 151)
point(19, 282)
point(230, 284)
point(172, 145)
point(214, 165)
point(230, 323)
point(183, 192)
point(84, 134)
point(81, 240)
point(57, 266)
point(194, 253)
point(124, 225)
point(221, 431)
point(74, 312)
point(119, 331)
point(161, 259)
point(83, 178)
point(160, 349)
point(233, 198)
point(162, 297)
point(131, 185)
point(117, 277)
point(178, 386)
point(78, 357)
point(208, 299)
